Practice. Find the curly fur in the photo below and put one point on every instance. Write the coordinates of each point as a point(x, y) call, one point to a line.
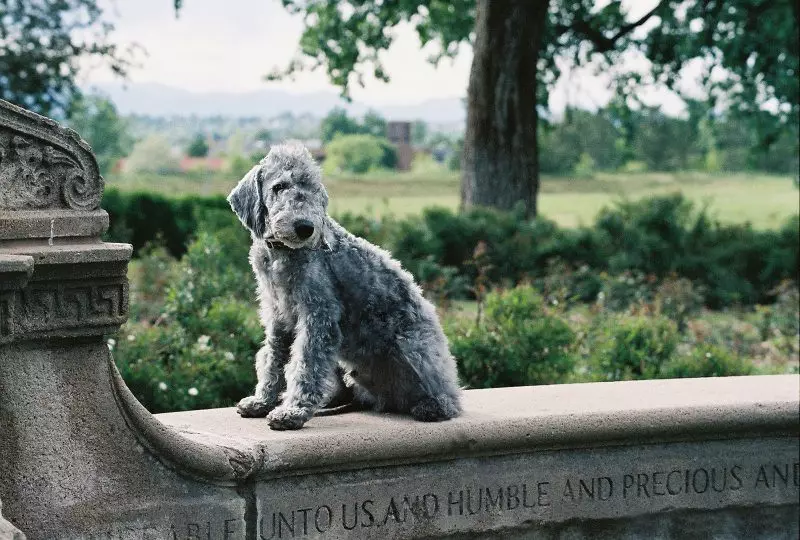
point(339, 313)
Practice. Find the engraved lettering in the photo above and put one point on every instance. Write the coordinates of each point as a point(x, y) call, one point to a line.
point(780, 473)
point(368, 513)
point(762, 477)
point(355, 517)
point(289, 526)
point(605, 493)
point(479, 503)
point(512, 497)
point(627, 483)
point(459, 502)
point(704, 482)
point(305, 512)
point(658, 483)
point(430, 510)
point(496, 503)
point(735, 474)
point(670, 489)
point(320, 524)
point(724, 481)
point(641, 485)
point(228, 530)
point(392, 511)
point(541, 489)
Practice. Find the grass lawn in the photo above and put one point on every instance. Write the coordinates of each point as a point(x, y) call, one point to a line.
point(764, 200)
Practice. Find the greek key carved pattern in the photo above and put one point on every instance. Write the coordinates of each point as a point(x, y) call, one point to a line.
point(43, 308)
point(44, 165)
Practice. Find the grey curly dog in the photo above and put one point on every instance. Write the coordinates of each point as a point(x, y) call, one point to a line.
point(340, 315)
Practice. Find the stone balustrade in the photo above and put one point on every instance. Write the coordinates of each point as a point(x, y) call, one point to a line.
point(81, 458)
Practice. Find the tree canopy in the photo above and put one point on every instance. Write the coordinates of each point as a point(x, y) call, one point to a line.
point(748, 49)
point(42, 45)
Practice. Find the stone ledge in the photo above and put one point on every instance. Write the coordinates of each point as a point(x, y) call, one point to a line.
point(78, 253)
point(52, 224)
point(513, 420)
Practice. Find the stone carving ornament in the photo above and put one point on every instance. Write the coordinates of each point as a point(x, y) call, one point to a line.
point(44, 165)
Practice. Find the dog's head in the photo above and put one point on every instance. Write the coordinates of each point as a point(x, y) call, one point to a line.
point(282, 199)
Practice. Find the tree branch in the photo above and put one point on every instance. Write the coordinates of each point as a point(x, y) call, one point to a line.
point(603, 43)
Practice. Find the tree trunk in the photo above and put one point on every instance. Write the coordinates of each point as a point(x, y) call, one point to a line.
point(501, 157)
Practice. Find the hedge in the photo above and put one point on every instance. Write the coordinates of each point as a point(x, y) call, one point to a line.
point(448, 252)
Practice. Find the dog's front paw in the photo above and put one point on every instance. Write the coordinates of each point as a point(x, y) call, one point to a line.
point(288, 417)
point(252, 407)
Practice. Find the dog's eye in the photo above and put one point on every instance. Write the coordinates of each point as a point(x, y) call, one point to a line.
point(280, 186)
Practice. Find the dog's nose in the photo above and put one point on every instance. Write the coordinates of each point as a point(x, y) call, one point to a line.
point(303, 228)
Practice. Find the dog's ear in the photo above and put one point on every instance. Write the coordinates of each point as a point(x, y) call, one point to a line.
point(246, 202)
point(328, 238)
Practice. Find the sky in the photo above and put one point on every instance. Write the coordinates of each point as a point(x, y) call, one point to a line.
point(229, 45)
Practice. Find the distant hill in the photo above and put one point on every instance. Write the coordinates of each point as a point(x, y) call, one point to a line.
point(161, 100)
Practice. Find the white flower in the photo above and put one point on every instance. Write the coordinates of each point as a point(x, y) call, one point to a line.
point(131, 337)
point(708, 355)
point(162, 386)
point(192, 391)
point(228, 356)
point(111, 342)
point(203, 343)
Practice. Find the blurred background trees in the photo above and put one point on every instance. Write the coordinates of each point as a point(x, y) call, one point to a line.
point(516, 44)
point(42, 45)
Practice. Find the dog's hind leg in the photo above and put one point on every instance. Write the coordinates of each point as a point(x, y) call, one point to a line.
point(270, 361)
point(435, 409)
point(433, 381)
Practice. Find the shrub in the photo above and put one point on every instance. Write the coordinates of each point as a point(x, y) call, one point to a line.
point(516, 343)
point(707, 361)
point(143, 218)
point(629, 347)
point(647, 241)
point(358, 154)
point(678, 299)
point(149, 276)
point(200, 354)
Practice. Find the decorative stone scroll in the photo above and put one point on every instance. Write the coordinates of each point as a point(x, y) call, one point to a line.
point(44, 165)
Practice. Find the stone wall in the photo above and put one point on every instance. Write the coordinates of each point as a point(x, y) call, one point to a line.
point(81, 458)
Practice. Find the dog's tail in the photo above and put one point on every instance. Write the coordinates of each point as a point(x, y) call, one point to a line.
point(353, 406)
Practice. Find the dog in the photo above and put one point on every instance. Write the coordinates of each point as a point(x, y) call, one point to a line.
point(341, 316)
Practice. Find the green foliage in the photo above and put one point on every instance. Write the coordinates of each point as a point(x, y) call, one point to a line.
point(337, 122)
point(149, 276)
point(359, 154)
point(632, 248)
point(198, 147)
point(239, 165)
point(707, 361)
point(579, 143)
point(585, 168)
point(516, 343)
point(199, 352)
point(143, 218)
point(152, 155)
point(95, 119)
point(664, 143)
point(678, 299)
point(633, 348)
point(419, 132)
point(43, 45)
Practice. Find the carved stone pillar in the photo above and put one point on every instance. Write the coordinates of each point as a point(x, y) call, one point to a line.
point(79, 457)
